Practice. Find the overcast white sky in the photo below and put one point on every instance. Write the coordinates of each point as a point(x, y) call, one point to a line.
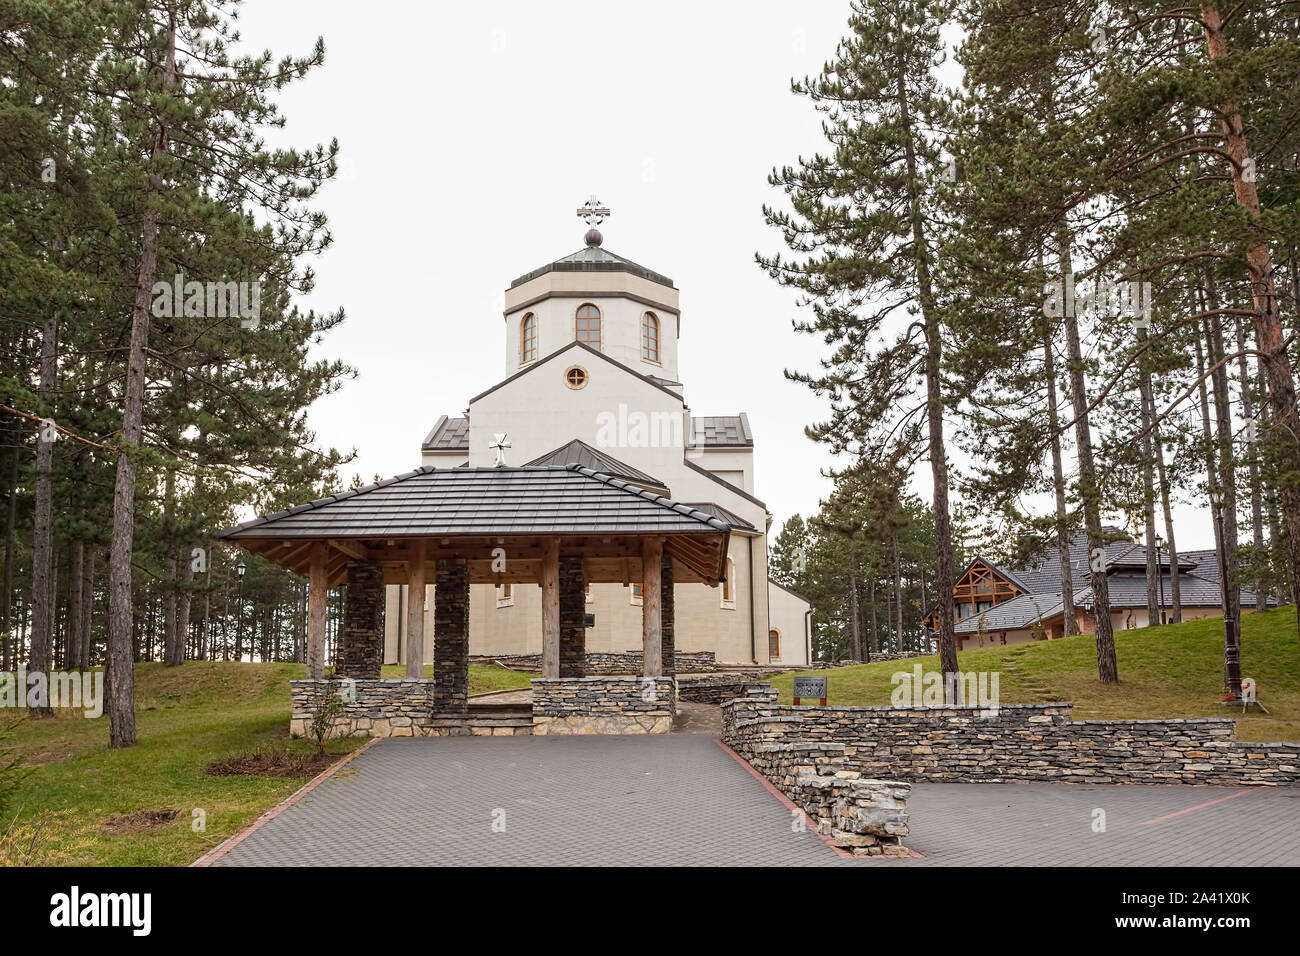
point(470, 133)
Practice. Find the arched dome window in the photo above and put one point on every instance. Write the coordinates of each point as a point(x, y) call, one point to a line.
point(586, 327)
point(528, 339)
point(650, 337)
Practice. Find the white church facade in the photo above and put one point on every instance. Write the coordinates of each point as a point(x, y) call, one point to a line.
point(591, 346)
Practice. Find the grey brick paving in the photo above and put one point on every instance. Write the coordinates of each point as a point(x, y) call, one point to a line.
point(679, 799)
point(674, 799)
point(959, 824)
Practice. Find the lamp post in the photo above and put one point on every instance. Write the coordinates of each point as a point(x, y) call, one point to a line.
point(1160, 547)
point(240, 568)
point(1231, 625)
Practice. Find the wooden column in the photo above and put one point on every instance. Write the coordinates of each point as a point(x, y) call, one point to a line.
point(551, 607)
point(652, 551)
point(415, 611)
point(317, 596)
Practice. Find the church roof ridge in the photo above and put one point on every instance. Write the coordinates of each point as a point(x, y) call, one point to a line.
point(595, 259)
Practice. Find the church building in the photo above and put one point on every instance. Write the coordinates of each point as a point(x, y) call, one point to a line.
point(590, 378)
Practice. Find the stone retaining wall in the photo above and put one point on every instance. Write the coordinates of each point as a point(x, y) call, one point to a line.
point(1021, 742)
point(861, 815)
point(603, 705)
point(711, 688)
point(600, 663)
point(378, 708)
point(899, 656)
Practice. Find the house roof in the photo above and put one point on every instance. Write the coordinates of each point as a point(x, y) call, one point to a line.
point(1129, 590)
point(722, 431)
point(476, 501)
point(448, 434)
point(1020, 612)
point(578, 452)
point(722, 514)
point(595, 259)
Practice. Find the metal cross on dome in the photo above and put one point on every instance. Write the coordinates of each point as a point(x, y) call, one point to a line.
point(593, 212)
point(499, 444)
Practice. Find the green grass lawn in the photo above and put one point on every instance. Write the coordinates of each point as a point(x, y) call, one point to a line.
point(186, 718)
point(1172, 671)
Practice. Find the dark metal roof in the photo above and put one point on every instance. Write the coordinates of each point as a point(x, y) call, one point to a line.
point(1129, 590)
point(1019, 612)
point(448, 434)
point(595, 259)
point(579, 452)
point(476, 501)
point(721, 431)
point(722, 514)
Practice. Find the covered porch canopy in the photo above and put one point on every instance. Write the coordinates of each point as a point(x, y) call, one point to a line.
point(561, 527)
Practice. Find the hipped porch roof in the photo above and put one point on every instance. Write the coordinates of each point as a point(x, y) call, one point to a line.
point(467, 512)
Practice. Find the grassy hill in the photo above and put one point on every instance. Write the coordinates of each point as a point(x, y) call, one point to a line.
point(84, 803)
point(1171, 671)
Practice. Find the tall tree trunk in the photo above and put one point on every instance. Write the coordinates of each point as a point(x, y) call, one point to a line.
point(6, 600)
point(169, 565)
point(874, 647)
point(1153, 570)
point(43, 522)
point(121, 702)
point(1269, 337)
point(76, 581)
point(855, 641)
point(1211, 468)
point(1089, 491)
point(1227, 491)
point(898, 594)
point(1058, 486)
point(184, 599)
point(88, 607)
point(934, 400)
point(1252, 464)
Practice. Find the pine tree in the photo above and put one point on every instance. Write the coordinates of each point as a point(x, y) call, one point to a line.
point(864, 240)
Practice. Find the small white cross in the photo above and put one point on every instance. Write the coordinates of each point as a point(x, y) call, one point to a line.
point(593, 211)
point(500, 443)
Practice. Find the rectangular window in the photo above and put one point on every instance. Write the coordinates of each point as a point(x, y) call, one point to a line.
point(636, 594)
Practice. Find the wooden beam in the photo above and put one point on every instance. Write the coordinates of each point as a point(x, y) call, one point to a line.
point(652, 647)
point(551, 609)
point(415, 613)
point(317, 594)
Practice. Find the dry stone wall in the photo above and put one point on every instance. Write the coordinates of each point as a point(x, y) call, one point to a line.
point(600, 663)
point(1017, 742)
point(603, 705)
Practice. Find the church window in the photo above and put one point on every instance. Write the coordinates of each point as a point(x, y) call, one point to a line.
point(636, 594)
point(590, 599)
point(729, 586)
point(505, 595)
point(586, 328)
point(528, 339)
point(575, 376)
point(650, 337)
point(774, 644)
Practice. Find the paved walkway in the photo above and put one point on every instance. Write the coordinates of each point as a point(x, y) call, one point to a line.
point(680, 799)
